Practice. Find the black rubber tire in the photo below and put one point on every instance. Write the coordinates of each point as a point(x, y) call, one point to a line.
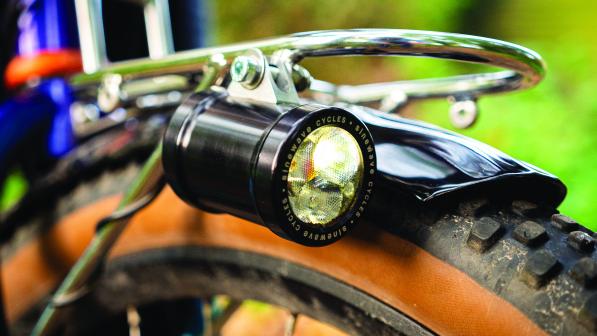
point(201, 272)
point(540, 261)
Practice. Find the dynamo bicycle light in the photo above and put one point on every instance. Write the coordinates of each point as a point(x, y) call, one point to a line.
point(306, 172)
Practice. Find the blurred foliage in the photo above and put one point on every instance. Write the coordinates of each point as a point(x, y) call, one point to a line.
point(553, 126)
point(12, 191)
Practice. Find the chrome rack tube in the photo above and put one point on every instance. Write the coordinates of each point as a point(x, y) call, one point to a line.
point(74, 285)
point(524, 67)
point(416, 89)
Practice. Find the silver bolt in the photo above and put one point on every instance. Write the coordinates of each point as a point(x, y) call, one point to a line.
point(393, 102)
point(301, 77)
point(108, 96)
point(83, 113)
point(464, 113)
point(248, 69)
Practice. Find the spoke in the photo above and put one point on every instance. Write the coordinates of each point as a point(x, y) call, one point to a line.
point(207, 313)
point(290, 325)
point(134, 320)
point(219, 320)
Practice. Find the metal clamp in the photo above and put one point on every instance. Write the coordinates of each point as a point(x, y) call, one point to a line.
point(254, 77)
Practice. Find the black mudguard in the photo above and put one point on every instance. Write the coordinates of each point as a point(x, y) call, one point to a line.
point(428, 163)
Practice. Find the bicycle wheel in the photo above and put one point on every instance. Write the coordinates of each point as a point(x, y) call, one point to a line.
point(467, 266)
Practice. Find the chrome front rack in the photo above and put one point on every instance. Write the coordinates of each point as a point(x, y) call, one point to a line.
point(523, 67)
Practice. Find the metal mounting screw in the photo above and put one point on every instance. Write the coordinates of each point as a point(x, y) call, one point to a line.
point(463, 112)
point(301, 77)
point(393, 102)
point(248, 69)
point(82, 113)
point(256, 77)
point(108, 96)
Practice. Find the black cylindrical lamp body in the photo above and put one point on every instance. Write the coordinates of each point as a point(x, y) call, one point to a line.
point(234, 156)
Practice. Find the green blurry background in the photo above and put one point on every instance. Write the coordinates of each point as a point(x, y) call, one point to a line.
point(553, 126)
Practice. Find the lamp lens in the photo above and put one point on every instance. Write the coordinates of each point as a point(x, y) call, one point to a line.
point(325, 175)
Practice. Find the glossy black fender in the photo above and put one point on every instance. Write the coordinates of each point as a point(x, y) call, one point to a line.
point(221, 137)
point(430, 163)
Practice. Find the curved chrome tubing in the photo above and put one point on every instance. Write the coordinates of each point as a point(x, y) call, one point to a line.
point(525, 67)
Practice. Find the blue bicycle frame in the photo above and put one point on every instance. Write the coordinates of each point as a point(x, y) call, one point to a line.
point(44, 26)
point(50, 27)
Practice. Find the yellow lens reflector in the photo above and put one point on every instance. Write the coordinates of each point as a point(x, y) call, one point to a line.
point(325, 174)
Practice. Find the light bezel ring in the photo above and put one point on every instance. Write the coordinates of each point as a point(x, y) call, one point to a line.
point(291, 129)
